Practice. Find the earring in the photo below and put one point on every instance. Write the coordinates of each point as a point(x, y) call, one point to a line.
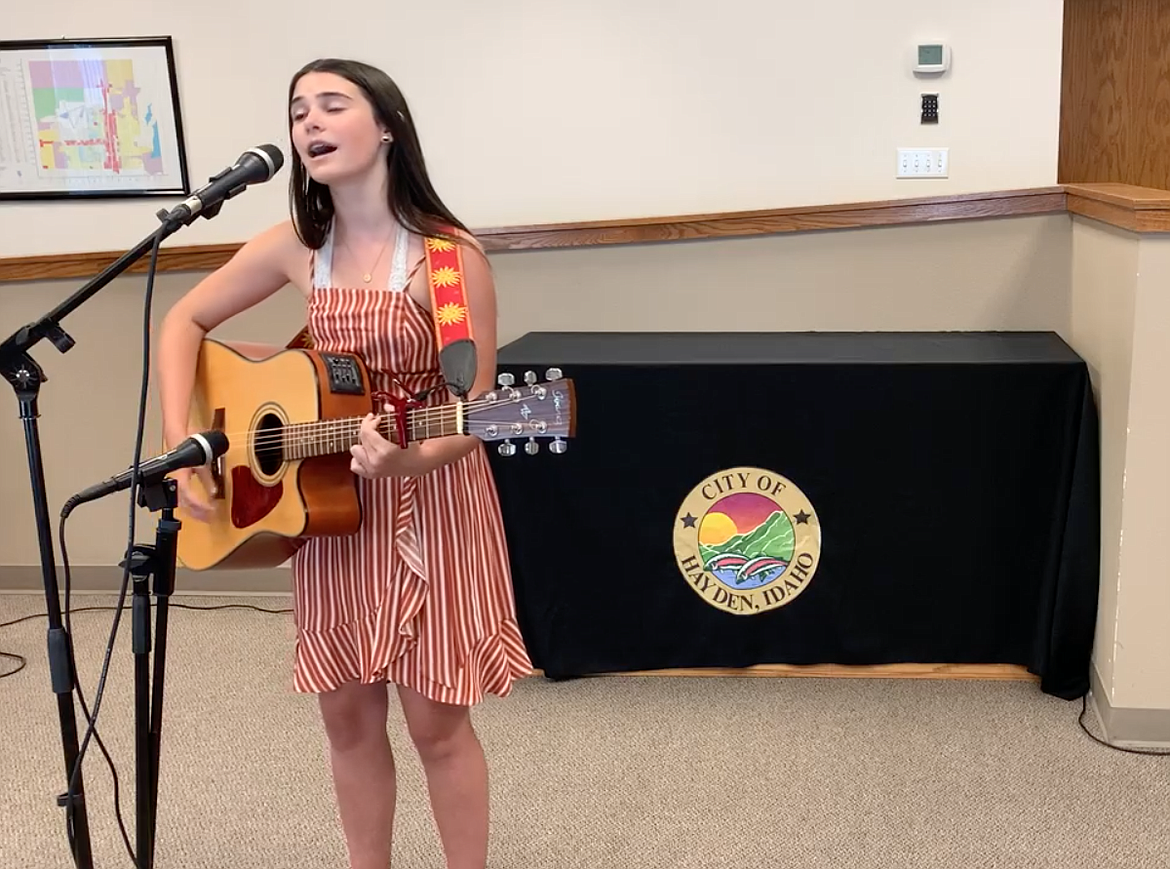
point(385, 137)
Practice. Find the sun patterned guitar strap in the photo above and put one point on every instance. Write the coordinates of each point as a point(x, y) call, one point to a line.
point(450, 315)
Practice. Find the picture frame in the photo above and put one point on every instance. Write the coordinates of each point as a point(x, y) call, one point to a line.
point(95, 119)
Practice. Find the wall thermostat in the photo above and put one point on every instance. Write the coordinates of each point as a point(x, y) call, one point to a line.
point(932, 57)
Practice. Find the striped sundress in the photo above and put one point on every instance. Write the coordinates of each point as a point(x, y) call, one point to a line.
point(422, 595)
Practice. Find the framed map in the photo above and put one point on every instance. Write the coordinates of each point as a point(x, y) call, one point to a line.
point(94, 118)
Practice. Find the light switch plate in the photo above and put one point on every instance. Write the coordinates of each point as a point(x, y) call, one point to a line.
point(923, 162)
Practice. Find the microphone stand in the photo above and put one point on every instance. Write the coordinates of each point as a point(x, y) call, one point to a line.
point(157, 560)
point(26, 376)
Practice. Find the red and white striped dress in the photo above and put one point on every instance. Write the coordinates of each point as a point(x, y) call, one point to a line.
point(422, 594)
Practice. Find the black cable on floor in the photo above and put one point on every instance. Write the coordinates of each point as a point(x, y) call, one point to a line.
point(22, 662)
point(114, 770)
point(1081, 720)
point(77, 688)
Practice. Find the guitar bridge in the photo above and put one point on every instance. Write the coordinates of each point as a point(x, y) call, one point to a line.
point(344, 375)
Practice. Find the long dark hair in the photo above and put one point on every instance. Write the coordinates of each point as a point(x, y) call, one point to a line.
point(412, 198)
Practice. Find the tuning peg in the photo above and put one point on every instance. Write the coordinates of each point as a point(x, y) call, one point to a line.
point(530, 377)
point(558, 446)
point(553, 374)
point(507, 448)
point(505, 379)
point(532, 447)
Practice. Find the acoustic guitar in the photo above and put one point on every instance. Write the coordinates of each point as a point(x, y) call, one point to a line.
point(291, 416)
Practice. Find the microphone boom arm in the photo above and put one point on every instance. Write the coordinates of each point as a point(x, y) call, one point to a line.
point(14, 350)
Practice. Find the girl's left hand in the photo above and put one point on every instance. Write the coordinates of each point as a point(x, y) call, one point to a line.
point(374, 456)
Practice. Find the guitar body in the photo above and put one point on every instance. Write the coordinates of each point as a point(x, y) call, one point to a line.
point(267, 505)
point(291, 416)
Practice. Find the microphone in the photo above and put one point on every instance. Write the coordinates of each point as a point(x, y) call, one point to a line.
point(196, 451)
point(255, 166)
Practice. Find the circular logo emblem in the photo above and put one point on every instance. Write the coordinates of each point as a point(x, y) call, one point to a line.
point(747, 540)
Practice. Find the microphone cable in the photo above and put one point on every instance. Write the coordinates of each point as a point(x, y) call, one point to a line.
point(268, 156)
point(273, 159)
point(117, 799)
point(91, 719)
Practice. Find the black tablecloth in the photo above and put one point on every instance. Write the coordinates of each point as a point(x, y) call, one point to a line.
point(931, 498)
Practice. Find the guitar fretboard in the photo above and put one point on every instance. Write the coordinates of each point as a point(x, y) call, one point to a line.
point(306, 440)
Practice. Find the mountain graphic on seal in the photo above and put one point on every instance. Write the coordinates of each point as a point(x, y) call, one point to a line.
point(746, 541)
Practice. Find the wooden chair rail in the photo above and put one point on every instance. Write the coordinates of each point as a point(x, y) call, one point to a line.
point(1132, 208)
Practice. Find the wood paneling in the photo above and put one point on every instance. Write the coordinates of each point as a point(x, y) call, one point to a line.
point(1006, 203)
point(1115, 93)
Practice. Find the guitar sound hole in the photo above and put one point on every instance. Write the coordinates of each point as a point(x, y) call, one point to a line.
point(269, 451)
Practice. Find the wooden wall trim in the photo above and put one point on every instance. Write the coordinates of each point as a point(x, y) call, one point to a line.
point(1137, 209)
point(1133, 208)
point(1003, 203)
point(201, 257)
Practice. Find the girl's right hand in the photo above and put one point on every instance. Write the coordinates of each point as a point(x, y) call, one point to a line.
point(195, 496)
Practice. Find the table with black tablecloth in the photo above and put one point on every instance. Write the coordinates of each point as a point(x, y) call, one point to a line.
point(934, 498)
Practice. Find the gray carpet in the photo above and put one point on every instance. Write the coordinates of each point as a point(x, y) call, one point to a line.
point(607, 772)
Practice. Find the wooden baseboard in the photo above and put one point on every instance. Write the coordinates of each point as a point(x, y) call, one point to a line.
point(982, 672)
point(91, 579)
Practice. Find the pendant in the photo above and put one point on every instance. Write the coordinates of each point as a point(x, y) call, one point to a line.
point(367, 278)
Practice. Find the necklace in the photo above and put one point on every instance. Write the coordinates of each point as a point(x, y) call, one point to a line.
point(369, 275)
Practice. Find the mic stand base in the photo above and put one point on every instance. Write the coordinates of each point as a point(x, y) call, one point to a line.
point(146, 561)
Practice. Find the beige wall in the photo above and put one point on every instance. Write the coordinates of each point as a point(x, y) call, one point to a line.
point(1142, 672)
point(1119, 313)
point(995, 274)
point(1099, 287)
point(1104, 283)
point(537, 112)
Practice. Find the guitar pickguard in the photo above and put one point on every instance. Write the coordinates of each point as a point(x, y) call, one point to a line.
point(251, 501)
point(343, 373)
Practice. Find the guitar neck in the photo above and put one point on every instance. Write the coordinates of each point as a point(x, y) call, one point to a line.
point(306, 440)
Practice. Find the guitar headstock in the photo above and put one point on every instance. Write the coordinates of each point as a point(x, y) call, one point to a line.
point(532, 411)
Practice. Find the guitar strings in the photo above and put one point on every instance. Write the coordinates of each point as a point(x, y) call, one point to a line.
point(331, 427)
point(338, 426)
point(296, 443)
point(419, 417)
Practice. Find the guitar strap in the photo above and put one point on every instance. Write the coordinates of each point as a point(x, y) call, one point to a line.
point(450, 315)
